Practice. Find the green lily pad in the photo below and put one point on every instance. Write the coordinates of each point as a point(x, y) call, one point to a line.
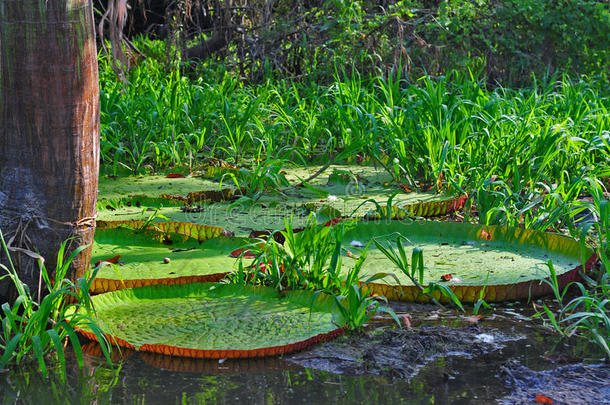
point(271, 210)
point(151, 186)
point(212, 320)
point(502, 262)
point(165, 253)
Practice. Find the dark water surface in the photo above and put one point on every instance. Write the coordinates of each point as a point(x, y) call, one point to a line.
point(447, 377)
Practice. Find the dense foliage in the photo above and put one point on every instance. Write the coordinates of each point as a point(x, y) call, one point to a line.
point(516, 148)
point(510, 40)
point(38, 323)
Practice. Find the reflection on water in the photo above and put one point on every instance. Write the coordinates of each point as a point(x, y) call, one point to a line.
point(141, 378)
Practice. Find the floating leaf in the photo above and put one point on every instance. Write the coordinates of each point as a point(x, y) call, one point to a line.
point(510, 266)
point(197, 253)
point(209, 320)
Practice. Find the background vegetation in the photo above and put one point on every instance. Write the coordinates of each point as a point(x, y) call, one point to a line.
point(509, 40)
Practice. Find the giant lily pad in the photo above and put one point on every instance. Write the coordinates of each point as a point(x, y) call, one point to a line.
point(196, 253)
point(159, 192)
point(209, 320)
point(347, 187)
point(344, 188)
point(151, 186)
point(423, 208)
point(492, 262)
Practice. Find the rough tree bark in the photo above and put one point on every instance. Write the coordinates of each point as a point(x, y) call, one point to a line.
point(49, 131)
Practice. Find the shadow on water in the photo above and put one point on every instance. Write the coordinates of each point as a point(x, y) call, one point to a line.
point(442, 360)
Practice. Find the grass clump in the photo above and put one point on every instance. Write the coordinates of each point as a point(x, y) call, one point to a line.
point(36, 328)
point(310, 258)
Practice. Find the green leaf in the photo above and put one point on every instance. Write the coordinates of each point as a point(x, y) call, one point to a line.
point(9, 350)
point(78, 352)
point(390, 312)
point(59, 349)
point(39, 354)
point(445, 291)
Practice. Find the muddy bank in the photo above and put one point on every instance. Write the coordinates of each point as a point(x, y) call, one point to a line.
point(567, 385)
point(400, 353)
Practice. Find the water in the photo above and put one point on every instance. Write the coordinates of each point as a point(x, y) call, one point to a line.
point(457, 378)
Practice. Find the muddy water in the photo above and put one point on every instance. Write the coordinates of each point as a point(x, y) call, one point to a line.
point(442, 359)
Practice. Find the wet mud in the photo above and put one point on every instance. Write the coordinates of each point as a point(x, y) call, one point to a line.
point(565, 385)
point(400, 353)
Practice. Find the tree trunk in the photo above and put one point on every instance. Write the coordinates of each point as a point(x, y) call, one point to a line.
point(49, 131)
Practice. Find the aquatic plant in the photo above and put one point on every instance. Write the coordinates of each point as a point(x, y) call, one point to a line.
point(524, 156)
point(584, 306)
point(265, 176)
point(310, 258)
point(415, 272)
point(356, 302)
point(160, 253)
point(586, 313)
point(215, 320)
point(34, 326)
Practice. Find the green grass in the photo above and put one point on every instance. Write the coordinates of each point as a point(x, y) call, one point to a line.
point(34, 326)
point(310, 259)
point(453, 125)
point(524, 155)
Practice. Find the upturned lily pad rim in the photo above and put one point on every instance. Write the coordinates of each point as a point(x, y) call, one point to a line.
point(524, 290)
point(187, 229)
point(314, 302)
point(528, 289)
point(426, 209)
point(171, 200)
point(196, 231)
